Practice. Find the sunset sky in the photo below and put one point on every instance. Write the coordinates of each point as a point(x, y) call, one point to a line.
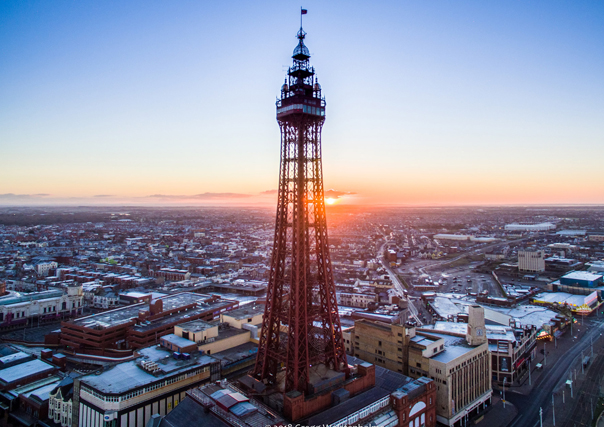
point(428, 102)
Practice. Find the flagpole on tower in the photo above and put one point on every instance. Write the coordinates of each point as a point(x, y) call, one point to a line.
point(302, 12)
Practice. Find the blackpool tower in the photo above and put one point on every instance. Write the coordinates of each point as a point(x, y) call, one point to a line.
point(301, 328)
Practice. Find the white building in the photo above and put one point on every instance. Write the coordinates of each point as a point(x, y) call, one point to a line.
point(43, 267)
point(18, 307)
point(60, 403)
point(106, 301)
point(531, 260)
point(350, 299)
point(544, 226)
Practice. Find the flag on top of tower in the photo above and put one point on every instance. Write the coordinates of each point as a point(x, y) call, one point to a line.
point(303, 11)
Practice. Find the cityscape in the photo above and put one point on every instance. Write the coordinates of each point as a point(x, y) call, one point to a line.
point(306, 282)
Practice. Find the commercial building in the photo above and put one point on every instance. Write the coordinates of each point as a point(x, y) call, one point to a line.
point(139, 325)
point(543, 226)
point(129, 393)
point(531, 260)
point(459, 366)
point(382, 344)
point(20, 309)
point(581, 304)
point(511, 348)
point(395, 400)
point(582, 279)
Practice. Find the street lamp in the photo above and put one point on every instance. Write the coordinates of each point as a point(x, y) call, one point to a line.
point(504, 381)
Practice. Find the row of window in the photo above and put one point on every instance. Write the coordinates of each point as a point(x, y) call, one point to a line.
point(317, 111)
point(363, 413)
point(144, 390)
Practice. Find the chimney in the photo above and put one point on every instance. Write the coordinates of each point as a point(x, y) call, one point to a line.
point(476, 333)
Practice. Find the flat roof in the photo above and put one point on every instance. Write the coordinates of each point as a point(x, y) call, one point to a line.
point(177, 341)
point(454, 347)
point(494, 332)
point(129, 376)
point(24, 370)
point(561, 298)
point(127, 314)
point(196, 326)
point(246, 311)
point(582, 275)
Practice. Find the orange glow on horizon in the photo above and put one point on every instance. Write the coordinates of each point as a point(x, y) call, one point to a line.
point(330, 201)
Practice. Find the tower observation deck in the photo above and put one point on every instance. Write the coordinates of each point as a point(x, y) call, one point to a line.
point(301, 329)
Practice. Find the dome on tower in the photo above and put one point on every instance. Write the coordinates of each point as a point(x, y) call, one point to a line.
point(301, 51)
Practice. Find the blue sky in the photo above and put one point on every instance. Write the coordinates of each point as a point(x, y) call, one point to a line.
point(439, 102)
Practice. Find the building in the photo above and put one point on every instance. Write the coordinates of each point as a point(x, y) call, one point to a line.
point(24, 373)
point(139, 325)
point(32, 400)
point(579, 304)
point(459, 365)
point(129, 393)
point(461, 369)
point(544, 226)
point(395, 400)
point(512, 348)
point(354, 299)
point(20, 309)
point(531, 260)
point(44, 267)
point(582, 279)
point(382, 344)
point(60, 405)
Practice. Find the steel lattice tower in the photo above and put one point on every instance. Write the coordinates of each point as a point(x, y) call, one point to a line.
point(301, 325)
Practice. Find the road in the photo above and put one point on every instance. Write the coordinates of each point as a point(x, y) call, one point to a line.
point(541, 395)
point(398, 285)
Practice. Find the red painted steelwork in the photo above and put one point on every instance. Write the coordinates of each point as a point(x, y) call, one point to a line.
point(301, 325)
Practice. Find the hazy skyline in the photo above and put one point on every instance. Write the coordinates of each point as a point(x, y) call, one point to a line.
point(435, 103)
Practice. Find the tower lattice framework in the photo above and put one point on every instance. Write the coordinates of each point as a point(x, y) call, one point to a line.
point(301, 326)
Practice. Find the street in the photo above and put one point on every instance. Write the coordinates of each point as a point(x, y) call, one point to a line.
point(554, 375)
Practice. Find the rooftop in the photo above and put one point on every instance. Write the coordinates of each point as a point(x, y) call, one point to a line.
point(582, 275)
point(130, 376)
point(247, 311)
point(127, 314)
point(196, 326)
point(24, 370)
point(455, 347)
point(177, 341)
point(494, 332)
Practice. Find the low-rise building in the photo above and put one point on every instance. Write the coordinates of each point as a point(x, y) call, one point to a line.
point(60, 404)
point(19, 309)
point(354, 299)
point(129, 393)
point(139, 325)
